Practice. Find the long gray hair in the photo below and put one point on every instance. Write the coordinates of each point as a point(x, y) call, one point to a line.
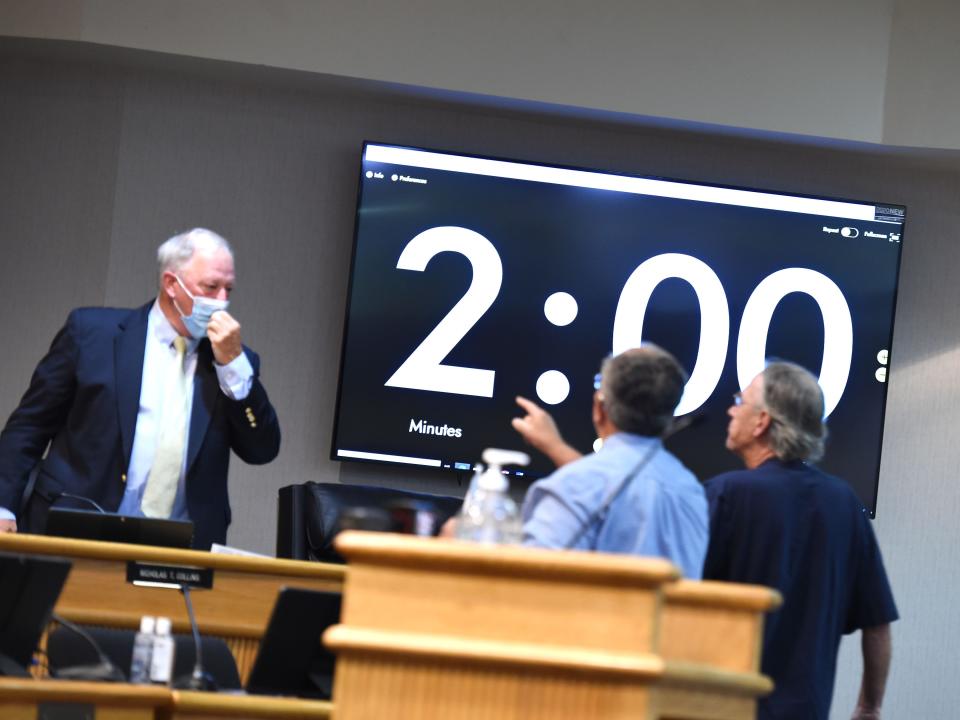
point(794, 400)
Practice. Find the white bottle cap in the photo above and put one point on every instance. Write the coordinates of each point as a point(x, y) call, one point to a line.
point(492, 480)
point(147, 624)
point(163, 626)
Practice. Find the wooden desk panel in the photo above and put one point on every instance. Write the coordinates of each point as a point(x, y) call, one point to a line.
point(716, 623)
point(19, 700)
point(514, 594)
point(236, 609)
point(187, 705)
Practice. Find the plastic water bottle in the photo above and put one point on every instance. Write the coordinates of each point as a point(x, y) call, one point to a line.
point(489, 514)
point(161, 663)
point(143, 651)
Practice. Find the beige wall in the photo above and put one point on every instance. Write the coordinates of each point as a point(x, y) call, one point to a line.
point(923, 85)
point(869, 70)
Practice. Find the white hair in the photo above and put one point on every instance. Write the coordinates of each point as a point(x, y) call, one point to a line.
point(176, 252)
point(795, 403)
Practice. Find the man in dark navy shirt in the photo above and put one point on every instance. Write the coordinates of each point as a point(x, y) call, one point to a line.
point(785, 524)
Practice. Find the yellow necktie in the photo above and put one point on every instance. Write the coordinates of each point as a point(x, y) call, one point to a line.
point(164, 476)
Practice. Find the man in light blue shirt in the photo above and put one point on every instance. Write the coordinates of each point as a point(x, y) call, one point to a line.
point(632, 495)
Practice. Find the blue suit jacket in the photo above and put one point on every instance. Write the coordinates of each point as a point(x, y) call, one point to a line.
point(83, 401)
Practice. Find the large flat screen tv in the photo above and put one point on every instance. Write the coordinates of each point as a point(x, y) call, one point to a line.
point(475, 280)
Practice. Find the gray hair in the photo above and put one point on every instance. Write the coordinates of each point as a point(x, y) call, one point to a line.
point(176, 252)
point(641, 389)
point(794, 400)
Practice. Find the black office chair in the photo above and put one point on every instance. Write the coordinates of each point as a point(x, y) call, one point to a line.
point(309, 515)
point(66, 649)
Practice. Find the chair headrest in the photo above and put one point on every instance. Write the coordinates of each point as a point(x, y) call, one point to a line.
point(331, 507)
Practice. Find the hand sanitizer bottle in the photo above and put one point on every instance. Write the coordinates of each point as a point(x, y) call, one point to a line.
point(489, 514)
point(161, 664)
point(142, 651)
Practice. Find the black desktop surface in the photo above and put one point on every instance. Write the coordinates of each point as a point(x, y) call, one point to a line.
point(111, 527)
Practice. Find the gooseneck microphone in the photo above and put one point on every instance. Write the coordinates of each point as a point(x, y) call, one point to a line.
point(81, 498)
point(199, 679)
point(675, 427)
point(104, 670)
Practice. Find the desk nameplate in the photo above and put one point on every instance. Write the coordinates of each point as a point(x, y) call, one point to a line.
point(172, 576)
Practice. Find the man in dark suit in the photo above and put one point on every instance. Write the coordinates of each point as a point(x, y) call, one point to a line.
point(140, 408)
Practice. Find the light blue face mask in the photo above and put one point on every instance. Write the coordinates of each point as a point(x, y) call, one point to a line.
point(203, 309)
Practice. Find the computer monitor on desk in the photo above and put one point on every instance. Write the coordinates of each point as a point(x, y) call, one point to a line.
point(29, 588)
point(111, 527)
point(292, 660)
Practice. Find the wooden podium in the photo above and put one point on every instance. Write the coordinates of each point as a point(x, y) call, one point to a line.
point(436, 629)
point(439, 628)
point(236, 609)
